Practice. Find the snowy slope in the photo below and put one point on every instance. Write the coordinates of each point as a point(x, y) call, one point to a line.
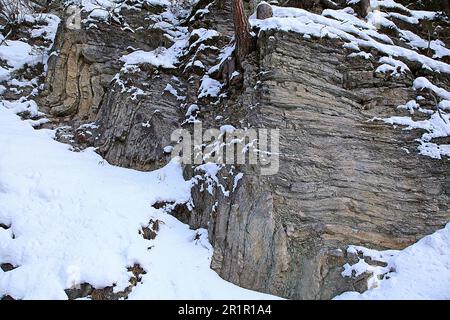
point(421, 271)
point(74, 218)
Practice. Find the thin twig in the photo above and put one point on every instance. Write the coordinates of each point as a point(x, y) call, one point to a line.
point(437, 107)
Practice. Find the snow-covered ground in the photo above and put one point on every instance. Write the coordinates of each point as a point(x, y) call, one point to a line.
point(74, 218)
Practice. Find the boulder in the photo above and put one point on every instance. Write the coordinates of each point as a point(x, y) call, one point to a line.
point(264, 11)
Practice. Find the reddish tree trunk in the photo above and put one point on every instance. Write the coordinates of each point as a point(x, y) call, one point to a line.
point(244, 40)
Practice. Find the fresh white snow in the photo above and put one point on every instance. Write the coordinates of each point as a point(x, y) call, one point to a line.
point(17, 53)
point(357, 33)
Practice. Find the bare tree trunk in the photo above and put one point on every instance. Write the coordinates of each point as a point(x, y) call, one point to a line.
point(244, 40)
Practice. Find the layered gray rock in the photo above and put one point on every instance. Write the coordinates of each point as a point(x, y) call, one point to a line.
point(85, 62)
point(130, 126)
point(135, 129)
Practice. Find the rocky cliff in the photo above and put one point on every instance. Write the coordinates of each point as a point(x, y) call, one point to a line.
point(345, 177)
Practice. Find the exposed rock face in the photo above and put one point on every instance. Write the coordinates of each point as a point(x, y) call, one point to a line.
point(436, 5)
point(342, 179)
point(134, 126)
point(362, 8)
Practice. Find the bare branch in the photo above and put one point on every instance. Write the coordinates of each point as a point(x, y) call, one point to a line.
point(244, 39)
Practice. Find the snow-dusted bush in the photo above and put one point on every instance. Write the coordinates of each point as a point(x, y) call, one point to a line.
point(14, 11)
